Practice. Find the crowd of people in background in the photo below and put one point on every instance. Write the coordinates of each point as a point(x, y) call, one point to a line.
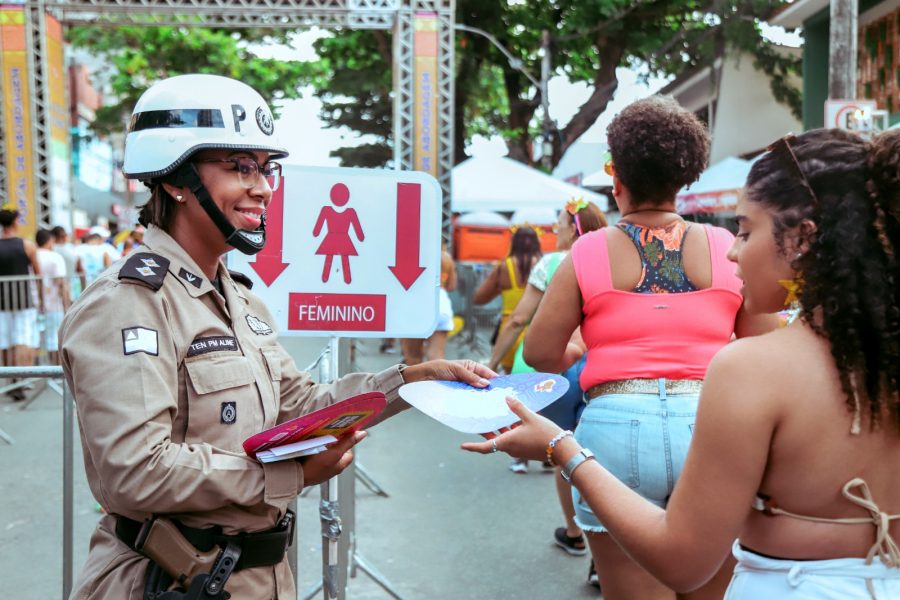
point(39, 280)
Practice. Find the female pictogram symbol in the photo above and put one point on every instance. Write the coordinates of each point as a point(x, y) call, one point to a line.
point(337, 241)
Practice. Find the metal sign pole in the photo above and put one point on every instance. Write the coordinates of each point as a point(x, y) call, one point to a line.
point(329, 509)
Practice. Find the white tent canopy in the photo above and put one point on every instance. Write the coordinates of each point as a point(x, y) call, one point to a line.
point(505, 185)
point(727, 174)
point(717, 189)
point(535, 215)
point(598, 179)
point(484, 218)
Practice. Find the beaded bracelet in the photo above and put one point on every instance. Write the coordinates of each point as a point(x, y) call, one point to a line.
point(550, 447)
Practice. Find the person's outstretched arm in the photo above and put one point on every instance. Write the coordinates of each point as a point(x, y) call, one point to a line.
point(489, 288)
point(449, 267)
point(558, 315)
point(684, 545)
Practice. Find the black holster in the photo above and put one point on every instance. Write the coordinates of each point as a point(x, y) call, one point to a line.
point(206, 586)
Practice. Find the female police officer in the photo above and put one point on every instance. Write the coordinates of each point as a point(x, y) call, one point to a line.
point(162, 411)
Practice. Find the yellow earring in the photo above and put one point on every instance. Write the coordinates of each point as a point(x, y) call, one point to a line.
point(794, 288)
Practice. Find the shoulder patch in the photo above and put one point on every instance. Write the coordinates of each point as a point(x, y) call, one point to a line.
point(241, 278)
point(146, 267)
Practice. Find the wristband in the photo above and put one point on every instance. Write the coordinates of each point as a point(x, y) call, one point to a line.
point(552, 445)
point(576, 461)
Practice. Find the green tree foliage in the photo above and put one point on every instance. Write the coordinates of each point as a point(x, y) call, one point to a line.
point(140, 56)
point(590, 39)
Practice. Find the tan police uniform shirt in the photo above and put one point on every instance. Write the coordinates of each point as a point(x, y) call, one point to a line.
point(168, 383)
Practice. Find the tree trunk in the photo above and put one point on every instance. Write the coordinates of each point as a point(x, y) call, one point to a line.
point(605, 84)
point(520, 115)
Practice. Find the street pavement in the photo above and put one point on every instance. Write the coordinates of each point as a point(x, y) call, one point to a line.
point(455, 525)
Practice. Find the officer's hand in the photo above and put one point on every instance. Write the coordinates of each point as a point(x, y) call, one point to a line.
point(325, 465)
point(467, 371)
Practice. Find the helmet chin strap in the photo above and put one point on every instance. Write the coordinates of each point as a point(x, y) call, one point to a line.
point(243, 240)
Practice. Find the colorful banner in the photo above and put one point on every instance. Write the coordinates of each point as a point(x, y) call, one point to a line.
point(425, 94)
point(19, 166)
point(60, 139)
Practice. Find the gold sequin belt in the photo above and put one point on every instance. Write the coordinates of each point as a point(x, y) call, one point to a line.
point(646, 386)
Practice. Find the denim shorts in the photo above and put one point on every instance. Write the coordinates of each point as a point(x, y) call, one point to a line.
point(642, 439)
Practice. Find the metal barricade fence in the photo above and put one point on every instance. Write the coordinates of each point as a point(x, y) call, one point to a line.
point(31, 310)
point(484, 317)
point(55, 373)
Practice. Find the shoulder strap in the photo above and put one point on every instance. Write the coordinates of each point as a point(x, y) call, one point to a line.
point(241, 278)
point(590, 257)
point(511, 268)
point(147, 268)
point(720, 239)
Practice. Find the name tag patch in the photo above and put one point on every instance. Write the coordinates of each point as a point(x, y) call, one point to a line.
point(214, 343)
point(140, 339)
point(229, 413)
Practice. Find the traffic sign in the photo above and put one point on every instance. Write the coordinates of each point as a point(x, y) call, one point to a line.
point(848, 114)
point(350, 252)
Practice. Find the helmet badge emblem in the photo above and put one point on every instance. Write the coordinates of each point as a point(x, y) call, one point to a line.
point(264, 120)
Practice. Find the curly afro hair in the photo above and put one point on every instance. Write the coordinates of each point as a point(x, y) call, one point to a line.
point(850, 294)
point(657, 148)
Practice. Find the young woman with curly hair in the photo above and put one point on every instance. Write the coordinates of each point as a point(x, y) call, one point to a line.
point(793, 465)
point(655, 299)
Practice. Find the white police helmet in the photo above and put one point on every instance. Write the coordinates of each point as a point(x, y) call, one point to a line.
point(184, 114)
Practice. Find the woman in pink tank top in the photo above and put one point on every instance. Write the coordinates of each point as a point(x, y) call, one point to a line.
point(798, 431)
point(655, 299)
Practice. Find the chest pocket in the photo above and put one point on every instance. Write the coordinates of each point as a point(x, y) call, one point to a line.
point(223, 402)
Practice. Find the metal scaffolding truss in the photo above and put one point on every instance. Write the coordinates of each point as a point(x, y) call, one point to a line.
point(287, 14)
point(283, 14)
point(36, 41)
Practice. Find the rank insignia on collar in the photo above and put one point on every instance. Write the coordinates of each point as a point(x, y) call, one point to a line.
point(149, 269)
point(194, 280)
point(258, 326)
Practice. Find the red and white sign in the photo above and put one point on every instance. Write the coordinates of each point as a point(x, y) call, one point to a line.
point(350, 252)
point(848, 114)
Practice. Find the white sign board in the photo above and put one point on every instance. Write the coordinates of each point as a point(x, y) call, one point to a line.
point(848, 114)
point(350, 252)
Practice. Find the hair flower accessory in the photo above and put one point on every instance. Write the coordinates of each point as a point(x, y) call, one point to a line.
point(574, 206)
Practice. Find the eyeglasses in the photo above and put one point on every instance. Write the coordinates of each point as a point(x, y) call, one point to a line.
point(608, 166)
point(782, 147)
point(249, 170)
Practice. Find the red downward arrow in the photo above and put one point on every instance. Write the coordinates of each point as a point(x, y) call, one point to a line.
point(406, 261)
point(268, 263)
